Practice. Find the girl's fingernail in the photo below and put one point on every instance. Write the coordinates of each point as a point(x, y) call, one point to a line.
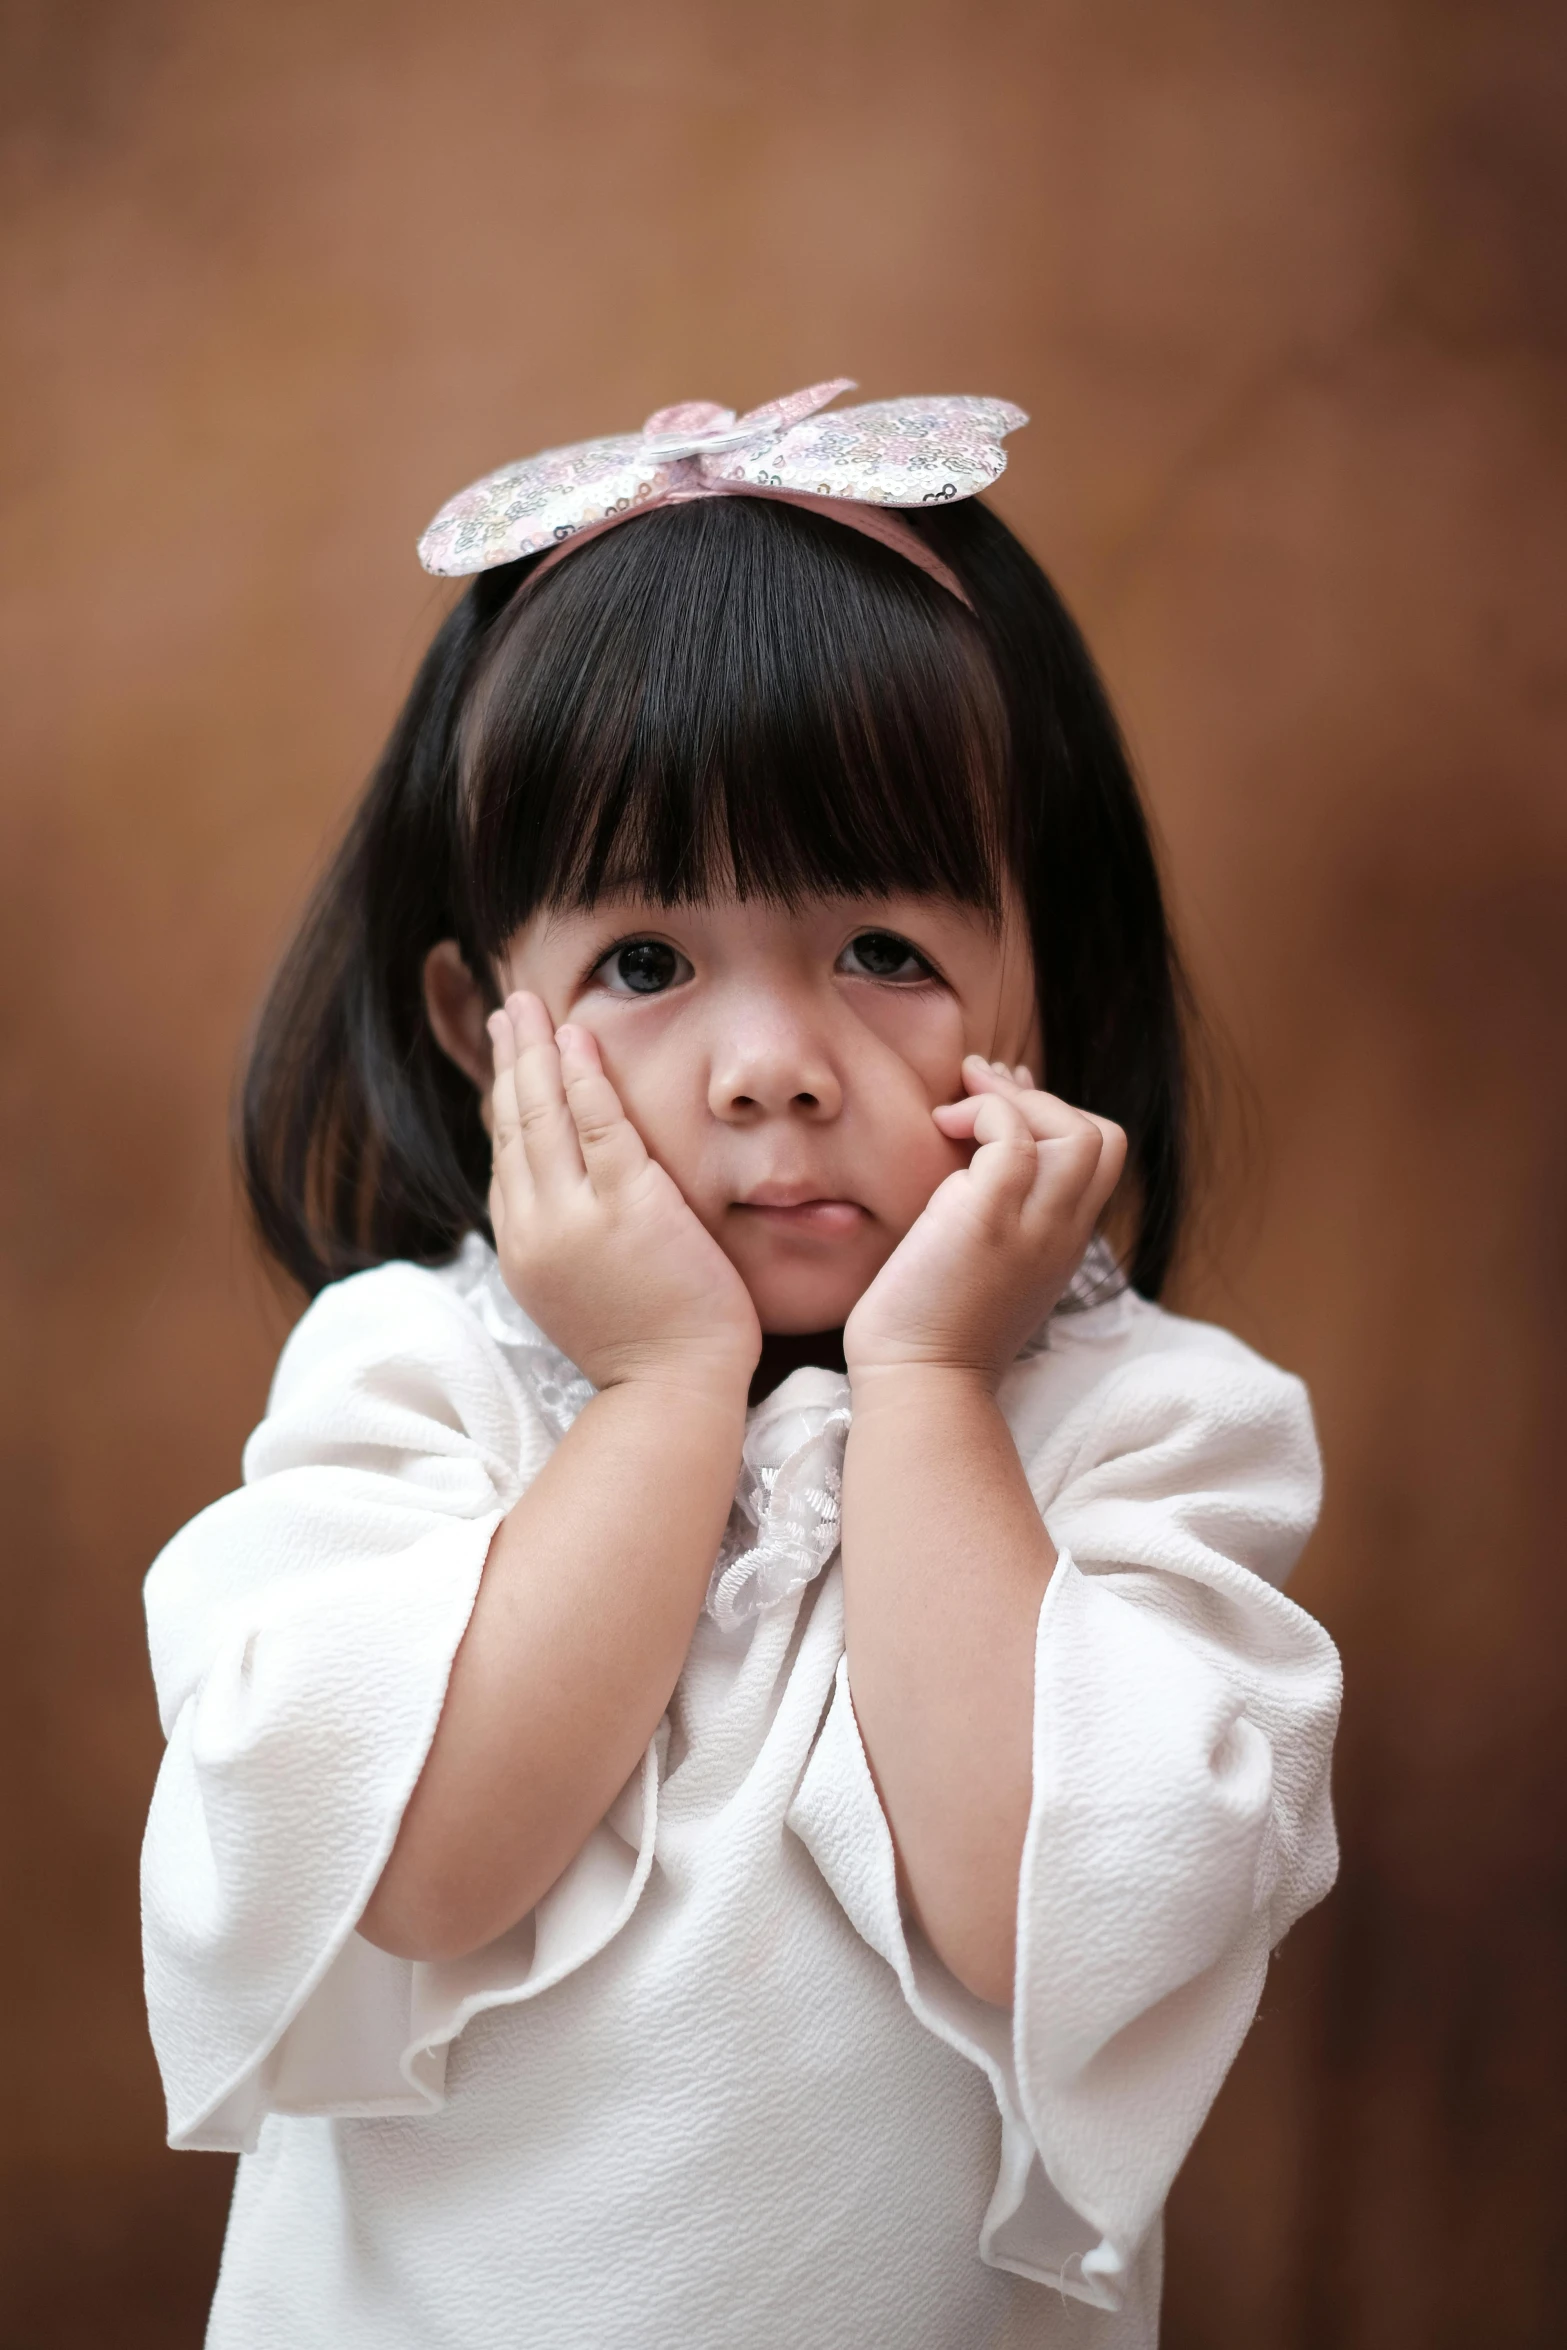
point(565, 1035)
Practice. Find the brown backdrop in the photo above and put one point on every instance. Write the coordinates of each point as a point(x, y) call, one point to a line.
point(1276, 279)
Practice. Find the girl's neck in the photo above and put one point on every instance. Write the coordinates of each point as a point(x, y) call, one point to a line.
point(783, 1353)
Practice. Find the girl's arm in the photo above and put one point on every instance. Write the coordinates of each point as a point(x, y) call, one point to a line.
point(594, 1580)
point(945, 1558)
point(590, 1592)
point(945, 1563)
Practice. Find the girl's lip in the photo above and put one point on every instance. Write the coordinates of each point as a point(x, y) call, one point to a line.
point(826, 1218)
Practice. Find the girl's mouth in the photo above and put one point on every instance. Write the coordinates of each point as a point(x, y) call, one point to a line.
point(817, 1219)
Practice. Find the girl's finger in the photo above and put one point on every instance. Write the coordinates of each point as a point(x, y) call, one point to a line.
point(1112, 1150)
point(1046, 1119)
point(1049, 1119)
point(510, 1159)
point(1045, 1116)
point(1077, 1157)
point(549, 1132)
point(997, 1119)
point(1077, 1173)
point(612, 1150)
point(956, 1119)
point(1004, 1166)
point(511, 1186)
point(1112, 1159)
point(982, 1076)
point(960, 1121)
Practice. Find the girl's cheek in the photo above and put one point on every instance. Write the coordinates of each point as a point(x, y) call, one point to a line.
point(925, 1031)
point(909, 1066)
point(648, 1072)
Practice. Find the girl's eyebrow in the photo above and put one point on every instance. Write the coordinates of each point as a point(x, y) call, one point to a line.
point(616, 909)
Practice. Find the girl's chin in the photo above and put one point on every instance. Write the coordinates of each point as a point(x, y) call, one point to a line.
point(797, 1291)
point(796, 1310)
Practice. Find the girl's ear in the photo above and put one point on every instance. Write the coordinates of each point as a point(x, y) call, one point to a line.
point(456, 1010)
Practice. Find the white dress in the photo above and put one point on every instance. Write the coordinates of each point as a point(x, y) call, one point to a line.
point(714, 2092)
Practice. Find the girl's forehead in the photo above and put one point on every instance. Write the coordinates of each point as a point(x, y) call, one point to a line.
point(759, 917)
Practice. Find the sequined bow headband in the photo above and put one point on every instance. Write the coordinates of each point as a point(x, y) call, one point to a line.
point(857, 465)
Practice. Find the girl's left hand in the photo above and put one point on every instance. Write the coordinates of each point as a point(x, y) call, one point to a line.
point(998, 1241)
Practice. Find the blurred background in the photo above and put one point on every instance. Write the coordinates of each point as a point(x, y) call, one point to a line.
point(1280, 283)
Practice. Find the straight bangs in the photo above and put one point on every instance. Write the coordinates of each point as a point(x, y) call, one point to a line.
point(730, 697)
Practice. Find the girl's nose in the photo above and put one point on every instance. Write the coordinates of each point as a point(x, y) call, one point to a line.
point(771, 1070)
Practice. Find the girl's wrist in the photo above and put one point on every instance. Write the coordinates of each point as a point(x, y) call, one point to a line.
point(902, 1386)
point(709, 1383)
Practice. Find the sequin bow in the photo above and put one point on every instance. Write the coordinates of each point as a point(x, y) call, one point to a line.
point(885, 453)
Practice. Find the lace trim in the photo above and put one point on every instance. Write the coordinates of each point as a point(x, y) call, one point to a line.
point(556, 1385)
point(788, 1510)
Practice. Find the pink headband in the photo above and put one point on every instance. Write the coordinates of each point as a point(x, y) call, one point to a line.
point(853, 466)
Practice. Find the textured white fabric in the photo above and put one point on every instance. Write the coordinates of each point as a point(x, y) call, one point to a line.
point(714, 2091)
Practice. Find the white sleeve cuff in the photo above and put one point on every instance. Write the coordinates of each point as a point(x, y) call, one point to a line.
point(1152, 1866)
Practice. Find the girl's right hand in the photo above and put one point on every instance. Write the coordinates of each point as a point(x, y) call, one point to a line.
point(596, 1241)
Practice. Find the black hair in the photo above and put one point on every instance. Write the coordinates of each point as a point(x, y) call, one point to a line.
point(728, 695)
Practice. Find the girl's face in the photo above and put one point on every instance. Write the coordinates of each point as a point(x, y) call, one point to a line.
point(783, 1065)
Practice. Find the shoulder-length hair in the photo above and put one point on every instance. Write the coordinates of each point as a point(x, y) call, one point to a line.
point(732, 695)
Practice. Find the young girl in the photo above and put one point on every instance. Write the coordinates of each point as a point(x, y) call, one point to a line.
point(736, 1762)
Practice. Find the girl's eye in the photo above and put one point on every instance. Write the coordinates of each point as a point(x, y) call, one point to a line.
point(881, 954)
point(643, 966)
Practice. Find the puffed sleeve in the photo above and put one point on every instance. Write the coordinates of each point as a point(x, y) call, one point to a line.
point(1184, 1714)
point(302, 1632)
